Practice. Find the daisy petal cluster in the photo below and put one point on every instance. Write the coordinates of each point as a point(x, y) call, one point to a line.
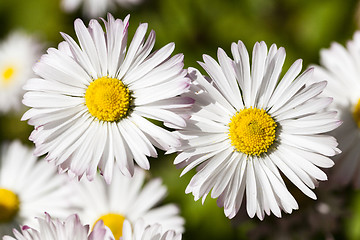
point(28, 188)
point(340, 66)
point(250, 126)
point(141, 231)
point(93, 102)
point(18, 52)
point(127, 199)
point(54, 229)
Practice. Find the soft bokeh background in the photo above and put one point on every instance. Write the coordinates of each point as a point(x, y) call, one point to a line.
point(303, 27)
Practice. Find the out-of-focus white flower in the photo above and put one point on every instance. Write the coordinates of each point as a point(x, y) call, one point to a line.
point(340, 66)
point(96, 8)
point(248, 127)
point(91, 8)
point(28, 188)
point(129, 3)
point(18, 53)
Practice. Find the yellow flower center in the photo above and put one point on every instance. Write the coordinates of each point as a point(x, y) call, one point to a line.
point(115, 222)
point(7, 75)
point(108, 99)
point(9, 205)
point(356, 113)
point(252, 131)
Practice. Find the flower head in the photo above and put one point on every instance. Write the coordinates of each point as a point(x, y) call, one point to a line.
point(91, 104)
point(17, 55)
point(248, 127)
point(126, 199)
point(28, 188)
point(340, 66)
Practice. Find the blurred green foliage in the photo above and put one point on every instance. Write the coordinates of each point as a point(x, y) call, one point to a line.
point(199, 27)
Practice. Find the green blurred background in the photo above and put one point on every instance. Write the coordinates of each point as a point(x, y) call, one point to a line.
point(303, 27)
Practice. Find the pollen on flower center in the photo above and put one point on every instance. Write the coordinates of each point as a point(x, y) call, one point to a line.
point(114, 222)
point(252, 131)
point(9, 205)
point(7, 74)
point(108, 99)
point(356, 113)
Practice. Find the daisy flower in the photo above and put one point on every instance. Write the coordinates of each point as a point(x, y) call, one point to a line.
point(248, 127)
point(28, 188)
point(54, 229)
point(143, 232)
point(340, 66)
point(126, 199)
point(92, 104)
point(18, 52)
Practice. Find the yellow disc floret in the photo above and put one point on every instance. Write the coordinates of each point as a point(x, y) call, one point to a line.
point(9, 205)
point(7, 75)
point(356, 113)
point(108, 99)
point(113, 221)
point(252, 131)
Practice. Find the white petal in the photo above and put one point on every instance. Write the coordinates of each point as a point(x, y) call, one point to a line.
point(272, 76)
point(87, 45)
point(285, 82)
point(291, 175)
point(242, 69)
point(137, 40)
point(251, 189)
point(257, 70)
point(195, 75)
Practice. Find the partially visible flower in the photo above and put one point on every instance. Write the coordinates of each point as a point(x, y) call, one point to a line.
point(28, 188)
point(340, 66)
point(92, 103)
point(18, 53)
point(96, 8)
point(126, 199)
point(91, 8)
point(248, 129)
point(55, 229)
point(141, 231)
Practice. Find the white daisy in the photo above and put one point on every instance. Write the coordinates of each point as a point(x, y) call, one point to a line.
point(28, 188)
point(126, 199)
point(247, 125)
point(341, 68)
point(91, 103)
point(54, 229)
point(91, 8)
point(141, 231)
point(18, 52)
